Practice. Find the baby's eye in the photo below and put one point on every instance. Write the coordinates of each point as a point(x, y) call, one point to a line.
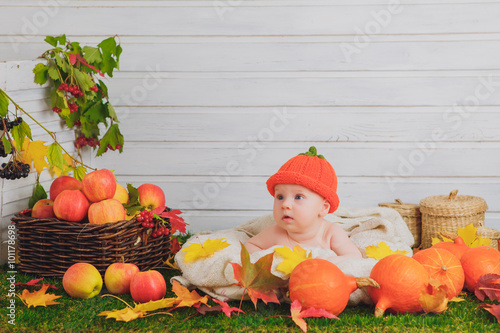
point(298, 197)
point(279, 197)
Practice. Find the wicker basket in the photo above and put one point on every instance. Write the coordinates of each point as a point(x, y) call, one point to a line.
point(450, 212)
point(47, 247)
point(492, 234)
point(411, 215)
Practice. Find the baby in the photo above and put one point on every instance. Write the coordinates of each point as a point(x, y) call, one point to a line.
point(304, 191)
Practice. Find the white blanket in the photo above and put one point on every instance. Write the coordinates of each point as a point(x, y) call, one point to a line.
point(365, 226)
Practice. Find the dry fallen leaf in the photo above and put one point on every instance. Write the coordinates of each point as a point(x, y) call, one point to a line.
point(291, 258)
point(434, 297)
point(38, 298)
point(381, 250)
point(186, 297)
point(298, 315)
point(34, 283)
point(138, 311)
point(197, 251)
point(494, 309)
point(488, 285)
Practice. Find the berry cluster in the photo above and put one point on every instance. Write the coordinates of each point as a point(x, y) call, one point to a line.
point(94, 88)
point(10, 124)
point(72, 89)
point(117, 147)
point(56, 109)
point(82, 141)
point(147, 219)
point(73, 107)
point(14, 170)
point(2, 150)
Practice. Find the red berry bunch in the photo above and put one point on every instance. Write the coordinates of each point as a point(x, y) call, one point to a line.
point(146, 217)
point(72, 89)
point(56, 109)
point(94, 88)
point(78, 123)
point(160, 231)
point(82, 141)
point(117, 147)
point(73, 107)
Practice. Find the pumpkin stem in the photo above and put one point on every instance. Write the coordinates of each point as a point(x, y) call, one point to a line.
point(366, 282)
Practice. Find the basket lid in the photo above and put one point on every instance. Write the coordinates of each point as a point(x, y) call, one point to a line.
point(405, 209)
point(453, 205)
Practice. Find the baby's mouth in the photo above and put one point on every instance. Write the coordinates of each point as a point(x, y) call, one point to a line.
point(287, 218)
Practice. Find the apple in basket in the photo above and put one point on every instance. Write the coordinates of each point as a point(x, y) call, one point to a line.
point(99, 185)
point(121, 194)
point(71, 205)
point(147, 286)
point(118, 276)
point(82, 280)
point(151, 196)
point(106, 211)
point(63, 183)
point(43, 209)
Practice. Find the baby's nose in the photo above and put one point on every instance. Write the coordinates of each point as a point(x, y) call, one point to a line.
point(287, 203)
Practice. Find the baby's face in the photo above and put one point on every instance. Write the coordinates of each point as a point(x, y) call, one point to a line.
point(297, 208)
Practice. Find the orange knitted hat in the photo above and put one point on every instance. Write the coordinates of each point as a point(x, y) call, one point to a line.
point(312, 171)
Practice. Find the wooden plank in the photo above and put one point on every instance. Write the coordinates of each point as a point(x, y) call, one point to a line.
point(210, 20)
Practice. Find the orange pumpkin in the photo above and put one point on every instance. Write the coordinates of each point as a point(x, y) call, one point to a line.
point(443, 266)
point(320, 284)
point(401, 281)
point(479, 261)
point(458, 247)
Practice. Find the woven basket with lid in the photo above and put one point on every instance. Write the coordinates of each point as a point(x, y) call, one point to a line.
point(410, 214)
point(450, 212)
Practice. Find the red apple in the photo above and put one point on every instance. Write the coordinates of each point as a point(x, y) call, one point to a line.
point(63, 183)
point(82, 280)
point(151, 196)
point(43, 209)
point(147, 286)
point(71, 205)
point(118, 276)
point(99, 185)
point(106, 211)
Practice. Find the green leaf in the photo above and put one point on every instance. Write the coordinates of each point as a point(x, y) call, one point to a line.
point(38, 194)
point(83, 80)
point(112, 137)
point(53, 73)
point(55, 156)
point(109, 48)
point(92, 54)
point(133, 195)
point(4, 104)
point(56, 40)
point(75, 48)
point(79, 172)
point(96, 113)
point(40, 71)
point(111, 112)
point(104, 88)
point(63, 64)
point(6, 145)
point(19, 133)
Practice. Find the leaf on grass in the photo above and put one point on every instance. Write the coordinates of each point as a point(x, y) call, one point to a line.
point(226, 308)
point(171, 263)
point(494, 309)
point(381, 250)
point(291, 258)
point(138, 311)
point(488, 285)
point(38, 298)
point(186, 297)
point(257, 278)
point(298, 315)
point(195, 251)
point(434, 297)
point(35, 152)
point(126, 314)
point(34, 283)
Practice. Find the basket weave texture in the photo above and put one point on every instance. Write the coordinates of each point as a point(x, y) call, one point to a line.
point(411, 215)
point(47, 247)
point(450, 212)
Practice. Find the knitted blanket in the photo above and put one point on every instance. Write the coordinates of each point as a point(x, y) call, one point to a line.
point(365, 226)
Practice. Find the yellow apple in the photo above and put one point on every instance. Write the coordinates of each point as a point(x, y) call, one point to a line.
point(82, 280)
point(121, 194)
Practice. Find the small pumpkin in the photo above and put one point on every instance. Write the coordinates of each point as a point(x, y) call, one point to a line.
point(443, 266)
point(457, 247)
point(401, 281)
point(477, 262)
point(320, 284)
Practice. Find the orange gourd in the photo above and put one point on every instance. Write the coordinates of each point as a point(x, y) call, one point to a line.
point(401, 281)
point(479, 261)
point(320, 284)
point(458, 247)
point(443, 266)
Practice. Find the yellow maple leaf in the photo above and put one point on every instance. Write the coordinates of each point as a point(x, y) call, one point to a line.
point(35, 152)
point(38, 298)
point(138, 311)
point(381, 250)
point(291, 258)
point(126, 314)
point(171, 263)
point(186, 297)
point(469, 235)
point(197, 251)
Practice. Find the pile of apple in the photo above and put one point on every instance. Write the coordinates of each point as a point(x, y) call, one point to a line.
point(98, 196)
point(83, 280)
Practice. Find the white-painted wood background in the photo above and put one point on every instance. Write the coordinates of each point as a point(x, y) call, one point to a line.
point(402, 97)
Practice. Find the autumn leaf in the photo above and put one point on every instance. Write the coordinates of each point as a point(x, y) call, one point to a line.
point(175, 246)
point(488, 286)
point(434, 297)
point(226, 308)
point(381, 250)
point(176, 222)
point(126, 314)
point(38, 298)
point(138, 311)
point(34, 282)
point(169, 262)
point(469, 235)
point(34, 152)
point(257, 278)
point(291, 258)
point(494, 309)
point(185, 297)
point(298, 315)
point(197, 251)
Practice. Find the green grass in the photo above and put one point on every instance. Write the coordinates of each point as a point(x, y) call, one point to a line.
point(74, 315)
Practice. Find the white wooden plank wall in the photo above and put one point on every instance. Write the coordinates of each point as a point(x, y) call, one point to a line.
point(402, 97)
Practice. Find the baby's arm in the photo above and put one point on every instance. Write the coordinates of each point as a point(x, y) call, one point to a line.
point(342, 245)
point(264, 239)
